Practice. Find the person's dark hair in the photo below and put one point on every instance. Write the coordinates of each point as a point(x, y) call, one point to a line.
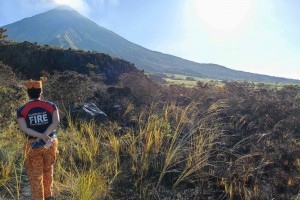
point(34, 93)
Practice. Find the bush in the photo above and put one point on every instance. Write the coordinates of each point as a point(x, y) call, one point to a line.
point(190, 78)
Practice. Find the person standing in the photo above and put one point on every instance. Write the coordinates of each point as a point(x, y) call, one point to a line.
point(38, 119)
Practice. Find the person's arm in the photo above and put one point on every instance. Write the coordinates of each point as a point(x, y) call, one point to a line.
point(54, 124)
point(23, 126)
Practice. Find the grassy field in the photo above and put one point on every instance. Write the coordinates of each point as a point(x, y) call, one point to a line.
point(166, 152)
point(181, 79)
point(94, 162)
point(237, 141)
point(190, 81)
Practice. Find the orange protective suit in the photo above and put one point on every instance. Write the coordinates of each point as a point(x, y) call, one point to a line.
point(39, 166)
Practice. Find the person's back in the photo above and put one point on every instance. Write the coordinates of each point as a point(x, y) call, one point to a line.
point(37, 114)
point(39, 119)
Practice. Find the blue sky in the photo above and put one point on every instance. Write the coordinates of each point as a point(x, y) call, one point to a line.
point(260, 36)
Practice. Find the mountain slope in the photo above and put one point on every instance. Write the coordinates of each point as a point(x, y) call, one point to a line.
point(31, 61)
point(65, 27)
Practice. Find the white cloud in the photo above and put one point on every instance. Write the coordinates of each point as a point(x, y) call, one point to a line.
point(85, 6)
point(102, 2)
point(79, 5)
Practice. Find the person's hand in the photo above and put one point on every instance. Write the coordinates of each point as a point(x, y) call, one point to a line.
point(45, 137)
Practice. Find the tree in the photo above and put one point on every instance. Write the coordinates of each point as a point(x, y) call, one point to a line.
point(2, 33)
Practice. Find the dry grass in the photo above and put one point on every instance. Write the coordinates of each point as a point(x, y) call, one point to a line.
point(237, 141)
point(92, 161)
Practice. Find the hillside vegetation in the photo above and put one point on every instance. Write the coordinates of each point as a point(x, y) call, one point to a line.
point(31, 60)
point(209, 141)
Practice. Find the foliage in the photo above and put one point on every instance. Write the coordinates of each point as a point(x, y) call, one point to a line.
point(2, 33)
point(234, 140)
point(137, 83)
point(69, 87)
point(22, 57)
point(12, 95)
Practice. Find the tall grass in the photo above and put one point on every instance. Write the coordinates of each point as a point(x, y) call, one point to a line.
point(170, 146)
point(93, 157)
point(11, 161)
